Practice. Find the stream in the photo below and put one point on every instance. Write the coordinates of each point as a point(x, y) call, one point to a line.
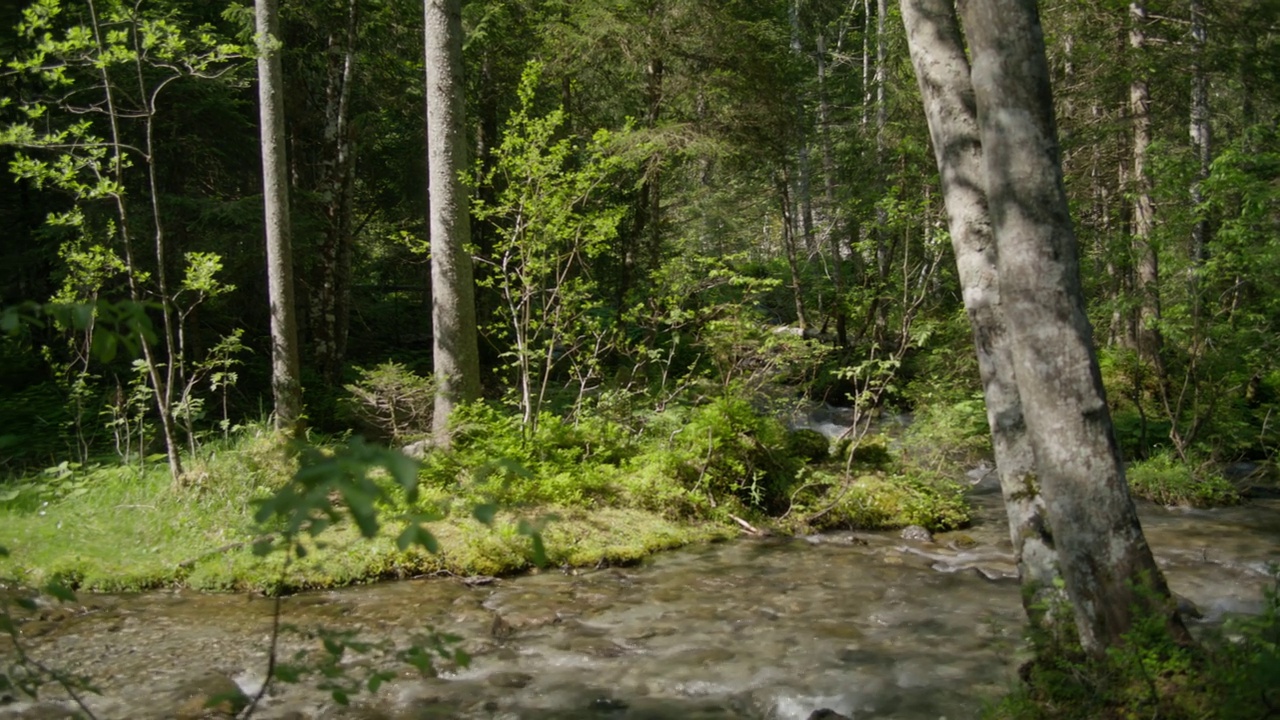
point(867, 624)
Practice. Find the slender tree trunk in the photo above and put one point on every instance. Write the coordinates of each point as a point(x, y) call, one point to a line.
point(833, 214)
point(804, 194)
point(1110, 574)
point(453, 314)
point(942, 72)
point(164, 408)
point(884, 252)
point(286, 386)
point(1144, 252)
point(1201, 139)
point(789, 248)
point(331, 291)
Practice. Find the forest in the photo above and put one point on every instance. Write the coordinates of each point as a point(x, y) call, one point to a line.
point(474, 287)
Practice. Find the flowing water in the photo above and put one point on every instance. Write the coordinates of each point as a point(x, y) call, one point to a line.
point(867, 624)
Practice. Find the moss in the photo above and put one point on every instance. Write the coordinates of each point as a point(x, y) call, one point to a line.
point(878, 502)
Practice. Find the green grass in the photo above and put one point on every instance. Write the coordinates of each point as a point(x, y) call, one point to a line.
point(123, 529)
point(615, 495)
point(1166, 480)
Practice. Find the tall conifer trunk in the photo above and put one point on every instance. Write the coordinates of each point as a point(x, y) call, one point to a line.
point(453, 312)
point(286, 386)
point(1145, 258)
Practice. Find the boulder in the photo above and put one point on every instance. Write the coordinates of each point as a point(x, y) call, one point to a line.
point(916, 533)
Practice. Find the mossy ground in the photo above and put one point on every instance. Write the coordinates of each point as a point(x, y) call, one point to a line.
point(134, 530)
point(123, 528)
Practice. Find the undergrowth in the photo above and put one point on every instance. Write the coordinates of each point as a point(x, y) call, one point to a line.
point(1233, 674)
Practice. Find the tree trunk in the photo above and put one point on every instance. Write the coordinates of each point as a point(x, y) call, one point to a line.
point(883, 251)
point(1201, 139)
point(1110, 574)
point(833, 214)
point(331, 291)
point(453, 312)
point(789, 249)
point(286, 388)
point(1144, 252)
point(942, 71)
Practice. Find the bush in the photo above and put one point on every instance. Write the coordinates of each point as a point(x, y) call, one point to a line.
point(878, 502)
point(391, 403)
point(1166, 480)
point(1233, 675)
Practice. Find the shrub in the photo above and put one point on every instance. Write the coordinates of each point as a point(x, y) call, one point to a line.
point(1232, 675)
point(390, 402)
point(1166, 480)
point(877, 502)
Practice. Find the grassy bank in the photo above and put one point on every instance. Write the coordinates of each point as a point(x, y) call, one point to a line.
point(597, 495)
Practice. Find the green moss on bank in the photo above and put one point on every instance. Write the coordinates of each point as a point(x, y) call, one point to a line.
point(134, 531)
point(616, 495)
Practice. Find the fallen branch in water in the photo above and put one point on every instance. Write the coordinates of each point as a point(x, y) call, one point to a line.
point(747, 526)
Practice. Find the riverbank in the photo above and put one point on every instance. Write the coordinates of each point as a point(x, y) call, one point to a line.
point(124, 528)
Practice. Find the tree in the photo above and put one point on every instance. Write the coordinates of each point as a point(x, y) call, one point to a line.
point(286, 388)
point(453, 313)
point(942, 71)
point(1110, 574)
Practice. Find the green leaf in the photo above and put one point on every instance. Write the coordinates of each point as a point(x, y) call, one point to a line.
point(404, 469)
point(26, 603)
point(263, 546)
point(288, 673)
point(60, 591)
point(377, 679)
point(485, 513)
point(9, 321)
point(340, 697)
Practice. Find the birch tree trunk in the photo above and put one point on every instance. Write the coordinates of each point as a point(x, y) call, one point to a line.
point(286, 388)
point(1110, 574)
point(453, 312)
point(942, 72)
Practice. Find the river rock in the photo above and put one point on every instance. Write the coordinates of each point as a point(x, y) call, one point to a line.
point(512, 680)
point(916, 533)
point(212, 695)
point(825, 714)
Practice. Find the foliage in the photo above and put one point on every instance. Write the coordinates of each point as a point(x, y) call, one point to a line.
point(550, 226)
point(1166, 480)
point(391, 402)
point(876, 502)
point(1232, 675)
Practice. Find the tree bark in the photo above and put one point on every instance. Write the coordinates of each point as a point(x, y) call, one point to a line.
point(942, 72)
point(453, 313)
point(833, 214)
point(331, 290)
point(1201, 139)
point(1145, 258)
point(1110, 574)
point(286, 388)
